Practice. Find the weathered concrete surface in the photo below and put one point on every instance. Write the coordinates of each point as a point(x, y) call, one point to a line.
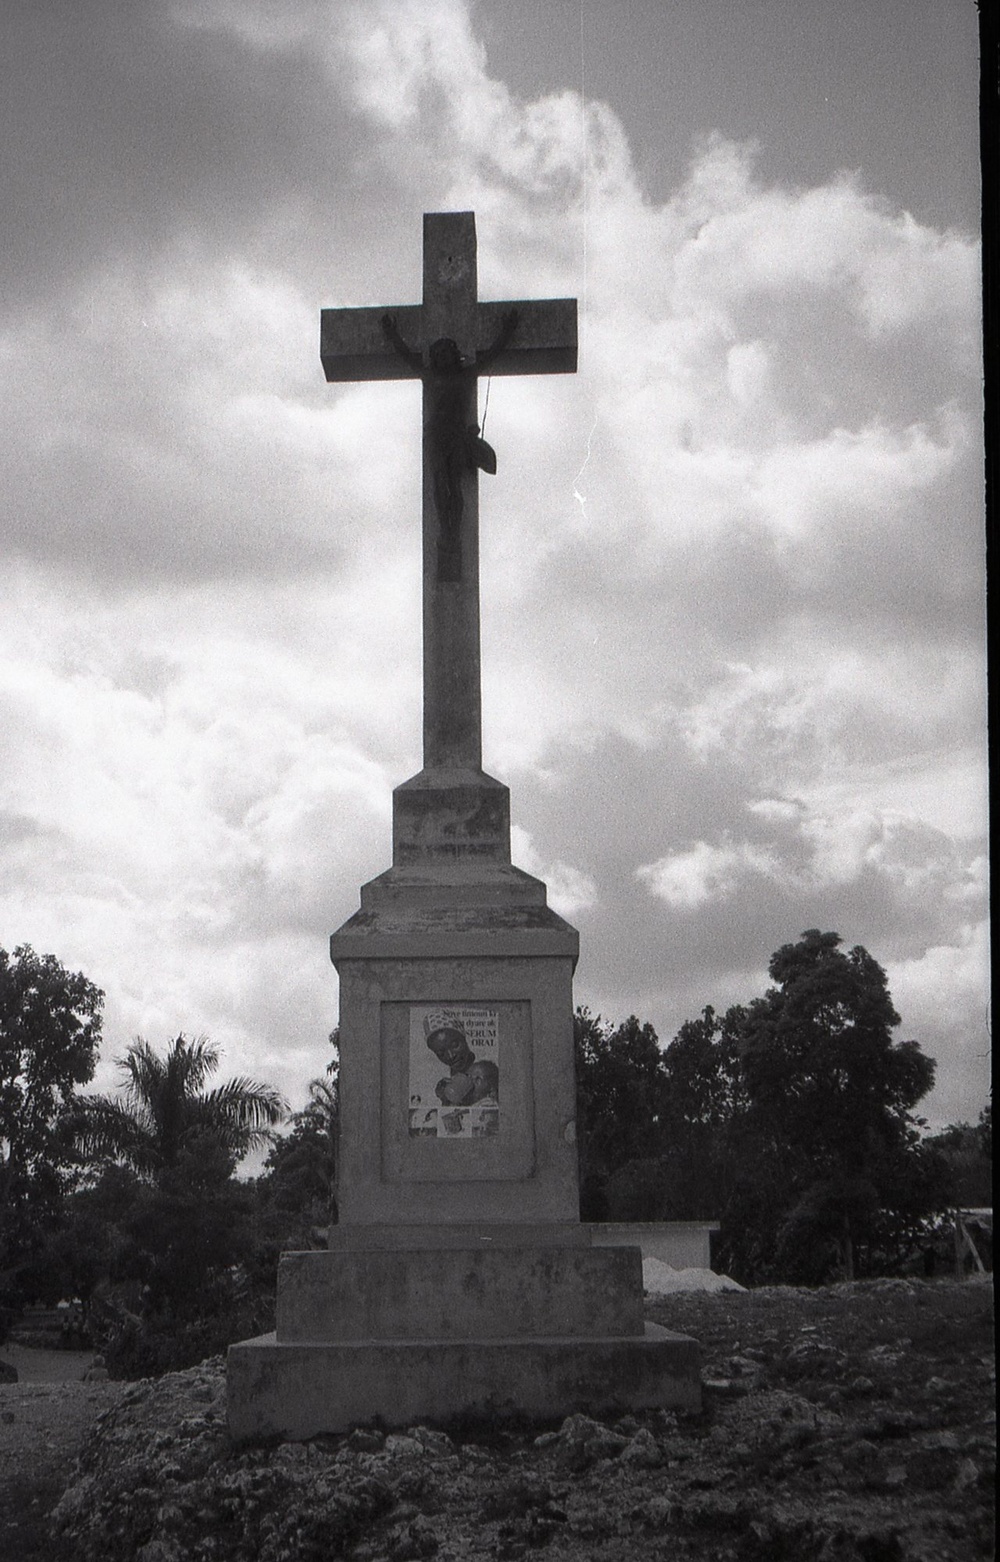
point(298, 1390)
point(683, 1244)
point(458, 932)
point(442, 816)
point(452, 879)
point(529, 1171)
point(368, 1238)
point(402, 891)
point(490, 934)
point(457, 1293)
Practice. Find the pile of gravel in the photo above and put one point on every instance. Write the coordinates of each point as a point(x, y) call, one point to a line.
point(854, 1424)
point(160, 1481)
point(659, 1279)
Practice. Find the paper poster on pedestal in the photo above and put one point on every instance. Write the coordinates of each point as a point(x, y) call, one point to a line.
point(454, 1071)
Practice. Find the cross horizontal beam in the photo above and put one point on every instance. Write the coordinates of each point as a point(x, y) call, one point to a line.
point(354, 346)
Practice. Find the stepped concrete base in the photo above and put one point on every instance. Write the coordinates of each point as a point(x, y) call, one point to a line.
point(305, 1389)
point(460, 1294)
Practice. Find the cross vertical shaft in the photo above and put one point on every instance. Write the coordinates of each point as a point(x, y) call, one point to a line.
point(451, 634)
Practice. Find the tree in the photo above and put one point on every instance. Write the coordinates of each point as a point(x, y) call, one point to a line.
point(984, 1128)
point(829, 1097)
point(699, 1094)
point(789, 1119)
point(818, 1053)
point(704, 1072)
point(174, 1292)
point(621, 1098)
point(705, 1096)
point(50, 1026)
point(967, 1150)
point(89, 1246)
point(300, 1172)
point(168, 1120)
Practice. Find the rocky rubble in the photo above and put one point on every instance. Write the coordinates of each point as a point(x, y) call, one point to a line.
point(849, 1425)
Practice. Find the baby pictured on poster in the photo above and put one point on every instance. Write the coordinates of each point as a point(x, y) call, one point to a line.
point(454, 1071)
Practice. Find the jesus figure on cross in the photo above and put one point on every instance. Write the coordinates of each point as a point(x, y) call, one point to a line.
point(447, 342)
point(453, 433)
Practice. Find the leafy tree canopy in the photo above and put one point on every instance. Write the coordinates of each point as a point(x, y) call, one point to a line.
point(178, 1228)
point(967, 1150)
point(300, 1170)
point(621, 1098)
point(821, 1070)
point(704, 1073)
point(50, 1026)
point(827, 1144)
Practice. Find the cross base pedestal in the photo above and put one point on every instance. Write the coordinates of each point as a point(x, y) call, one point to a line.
point(459, 1282)
point(306, 1390)
point(490, 1329)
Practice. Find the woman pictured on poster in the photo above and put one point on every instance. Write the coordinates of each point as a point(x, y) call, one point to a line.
point(451, 1048)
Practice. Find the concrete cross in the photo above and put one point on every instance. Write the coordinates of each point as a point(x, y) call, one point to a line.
point(447, 342)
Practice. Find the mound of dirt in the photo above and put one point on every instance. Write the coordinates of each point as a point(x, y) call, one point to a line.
point(853, 1424)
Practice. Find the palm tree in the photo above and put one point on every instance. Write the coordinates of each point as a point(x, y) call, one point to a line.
point(166, 1111)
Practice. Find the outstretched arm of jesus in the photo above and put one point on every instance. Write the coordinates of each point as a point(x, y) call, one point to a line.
point(508, 326)
point(391, 330)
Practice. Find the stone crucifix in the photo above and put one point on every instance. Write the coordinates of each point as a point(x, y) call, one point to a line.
point(447, 342)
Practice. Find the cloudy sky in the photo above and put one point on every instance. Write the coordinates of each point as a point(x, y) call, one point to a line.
point(733, 569)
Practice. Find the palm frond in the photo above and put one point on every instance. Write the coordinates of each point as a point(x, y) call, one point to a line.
point(105, 1129)
point(143, 1071)
point(246, 1102)
point(191, 1062)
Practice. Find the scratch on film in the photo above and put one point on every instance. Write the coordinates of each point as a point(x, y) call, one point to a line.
point(580, 498)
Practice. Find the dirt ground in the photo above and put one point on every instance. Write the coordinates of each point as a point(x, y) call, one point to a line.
point(43, 1419)
point(851, 1424)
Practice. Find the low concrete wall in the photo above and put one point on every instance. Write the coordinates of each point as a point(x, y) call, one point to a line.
point(683, 1244)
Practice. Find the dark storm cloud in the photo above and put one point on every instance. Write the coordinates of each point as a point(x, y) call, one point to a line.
point(886, 86)
point(773, 868)
point(127, 131)
point(174, 185)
